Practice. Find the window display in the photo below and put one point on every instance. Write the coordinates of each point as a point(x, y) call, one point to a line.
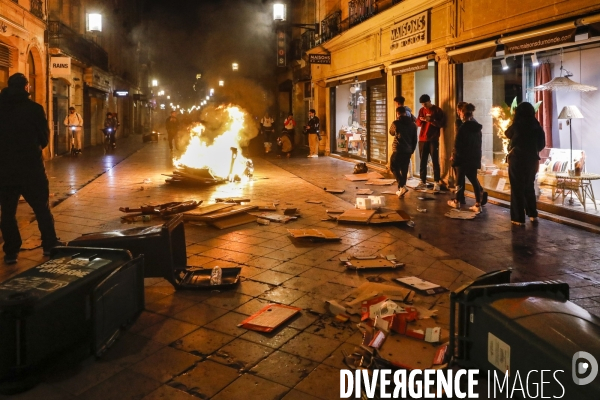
point(351, 118)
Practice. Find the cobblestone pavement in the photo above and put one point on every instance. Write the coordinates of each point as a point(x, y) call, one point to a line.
point(186, 344)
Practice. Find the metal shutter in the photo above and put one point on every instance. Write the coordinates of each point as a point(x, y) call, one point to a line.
point(4, 56)
point(378, 124)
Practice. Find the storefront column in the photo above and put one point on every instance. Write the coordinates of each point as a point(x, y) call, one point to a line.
point(446, 83)
point(320, 106)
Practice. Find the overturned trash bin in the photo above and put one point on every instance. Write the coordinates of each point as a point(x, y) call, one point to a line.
point(509, 330)
point(164, 250)
point(79, 299)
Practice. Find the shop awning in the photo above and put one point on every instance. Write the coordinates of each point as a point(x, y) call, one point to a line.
point(416, 64)
point(476, 52)
point(364, 75)
point(539, 39)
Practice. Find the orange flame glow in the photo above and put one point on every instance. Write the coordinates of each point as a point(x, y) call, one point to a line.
point(217, 155)
point(501, 122)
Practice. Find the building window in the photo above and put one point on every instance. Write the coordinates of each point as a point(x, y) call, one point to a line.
point(31, 76)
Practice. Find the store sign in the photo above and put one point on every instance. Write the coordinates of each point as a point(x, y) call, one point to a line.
point(413, 67)
point(540, 42)
point(281, 48)
point(60, 66)
point(319, 58)
point(121, 93)
point(410, 33)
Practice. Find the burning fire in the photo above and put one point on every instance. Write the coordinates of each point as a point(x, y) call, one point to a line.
point(223, 157)
point(501, 122)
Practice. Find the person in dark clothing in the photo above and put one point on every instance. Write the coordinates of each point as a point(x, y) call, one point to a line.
point(23, 135)
point(399, 102)
point(431, 119)
point(172, 125)
point(466, 157)
point(404, 131)
point(312, 129)
point(527, 139)
point(110, 128)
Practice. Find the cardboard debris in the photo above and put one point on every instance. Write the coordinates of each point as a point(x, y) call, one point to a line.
point(380, 182)
point(335, 191)
point(364, 191)
point(263, 205)
point(373, 263)
point(261, 221)
point(233, 220)
point(227, 212)
point(371, 289)
point(323, 234)
point(290, 211)
point(237, 200)
point(196, 214)
point(390, 217)
point(356, 215)
point(31, 243)
point(422, 286)
point(165, 209)
point(334, 211)
point(269, 317)
point(274, 217)
point(458, 214)
point(388, 192)
point(336, 308)
point(364, 177)
point(411, 353)
point(314, 201)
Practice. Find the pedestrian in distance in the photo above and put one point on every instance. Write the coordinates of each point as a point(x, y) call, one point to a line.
point(399, 102)
point(431, 119)
point(268, 131)
point(466, 157)
point(289, 125)
point(110, 128)
point(527, 139)
point(313, 130)
point(172, 126)
point(404, 131)
point(23, 136)
point(74, 123)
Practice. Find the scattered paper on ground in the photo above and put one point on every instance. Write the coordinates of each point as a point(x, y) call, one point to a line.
point(269, 317)
point(381, 182)
point(363, 177)
point(458, 214)
point(324, 234)
point(364, 191)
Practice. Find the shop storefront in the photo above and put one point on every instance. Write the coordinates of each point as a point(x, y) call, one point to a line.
point(358, 120)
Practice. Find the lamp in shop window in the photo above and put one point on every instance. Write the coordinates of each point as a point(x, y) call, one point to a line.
point(504, 64)
point(563, 82)
point(534, 60)
point(360, 99)
point(568, 113)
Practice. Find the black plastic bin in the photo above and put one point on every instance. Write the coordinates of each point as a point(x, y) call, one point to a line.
point(80, 297)
point(164, 250)
point(526, 327)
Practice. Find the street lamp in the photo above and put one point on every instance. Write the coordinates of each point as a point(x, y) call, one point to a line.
point(221, 83)
point(211, 92)
point(154, 83)
point(279, 12)
point(234, 66)
point(93, 22)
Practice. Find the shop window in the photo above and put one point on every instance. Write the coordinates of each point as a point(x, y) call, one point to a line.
point(4, 65)
point(377, 123)
point(31, 76)
point(351, 119)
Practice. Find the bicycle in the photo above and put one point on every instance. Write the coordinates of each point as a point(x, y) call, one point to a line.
point(108, 142)
point(74, 151)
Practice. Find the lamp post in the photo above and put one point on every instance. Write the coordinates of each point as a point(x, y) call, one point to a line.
point(93, 22)
point(279, 17)
point(234, 66)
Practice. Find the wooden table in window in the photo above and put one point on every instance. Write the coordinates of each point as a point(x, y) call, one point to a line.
point(581, 185)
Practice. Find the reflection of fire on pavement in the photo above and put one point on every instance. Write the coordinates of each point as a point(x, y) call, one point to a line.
point(214, 155)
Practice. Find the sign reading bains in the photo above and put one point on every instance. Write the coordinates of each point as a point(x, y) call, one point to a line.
point(409, 33)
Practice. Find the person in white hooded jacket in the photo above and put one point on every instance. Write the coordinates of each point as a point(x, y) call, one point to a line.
point(74, 121)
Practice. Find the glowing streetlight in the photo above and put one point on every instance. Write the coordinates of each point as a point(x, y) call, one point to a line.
point(211, 92)
point(168, 97)
point(94, 22)
point(278, 12)
point(221, 83)
point(234, 66)
point(207, 97)
point(154, 83)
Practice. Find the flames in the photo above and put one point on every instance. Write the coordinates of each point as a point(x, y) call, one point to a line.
point(501, 122)
point(222, 155)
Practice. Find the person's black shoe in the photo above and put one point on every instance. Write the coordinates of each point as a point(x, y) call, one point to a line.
point(484, 198)
point(10, 259)
point(48, 249)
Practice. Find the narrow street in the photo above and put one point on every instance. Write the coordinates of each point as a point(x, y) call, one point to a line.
point(186, 344)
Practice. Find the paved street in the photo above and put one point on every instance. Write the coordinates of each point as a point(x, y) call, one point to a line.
point(187, 345)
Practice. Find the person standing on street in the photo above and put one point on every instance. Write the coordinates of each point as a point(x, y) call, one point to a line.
point(74, 124)
point(527, 139)
point(399, 102)
point(289, 125)
point(268, 131)
point(172, 125)
point(312, 128)
point(431, 120)
point(23, 135)
point(466, 157)
point(404, 131)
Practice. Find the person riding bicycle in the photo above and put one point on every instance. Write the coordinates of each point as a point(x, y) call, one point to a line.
point(110, 128)
point(74, 124)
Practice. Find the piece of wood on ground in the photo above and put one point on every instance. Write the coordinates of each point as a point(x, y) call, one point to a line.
point(227, 212)
point(335, 191)
point(357, 216)
point(363, 177)
point(390, 217)
point(232, 200)
point(380, 182)
point(320, 233)
point(314, 201)
point(376, 263)
point(233, 220)
point(457, 214)
point(335, 211)
point(364, 191)
point(290, 211)
point(263, 205)
point(195, 215)
point(269, 317)
point(274, 217)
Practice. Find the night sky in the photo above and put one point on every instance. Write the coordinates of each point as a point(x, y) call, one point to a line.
point(187, 37)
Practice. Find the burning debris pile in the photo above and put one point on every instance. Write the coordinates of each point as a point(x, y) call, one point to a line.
point(213, 154)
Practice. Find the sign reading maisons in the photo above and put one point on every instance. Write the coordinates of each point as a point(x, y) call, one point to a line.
point(409, 33)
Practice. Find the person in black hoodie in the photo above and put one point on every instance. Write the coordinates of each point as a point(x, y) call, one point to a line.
point(466, 157)
point(527, 139)
point(404, 131)
point(23, 135)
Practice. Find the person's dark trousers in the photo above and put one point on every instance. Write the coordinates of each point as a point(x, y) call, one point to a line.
point(521, 174)
point(426, 149)
point(471, 173)
point(112, 138)
point(172, 138)
point(36, 193)
point(399, 164)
